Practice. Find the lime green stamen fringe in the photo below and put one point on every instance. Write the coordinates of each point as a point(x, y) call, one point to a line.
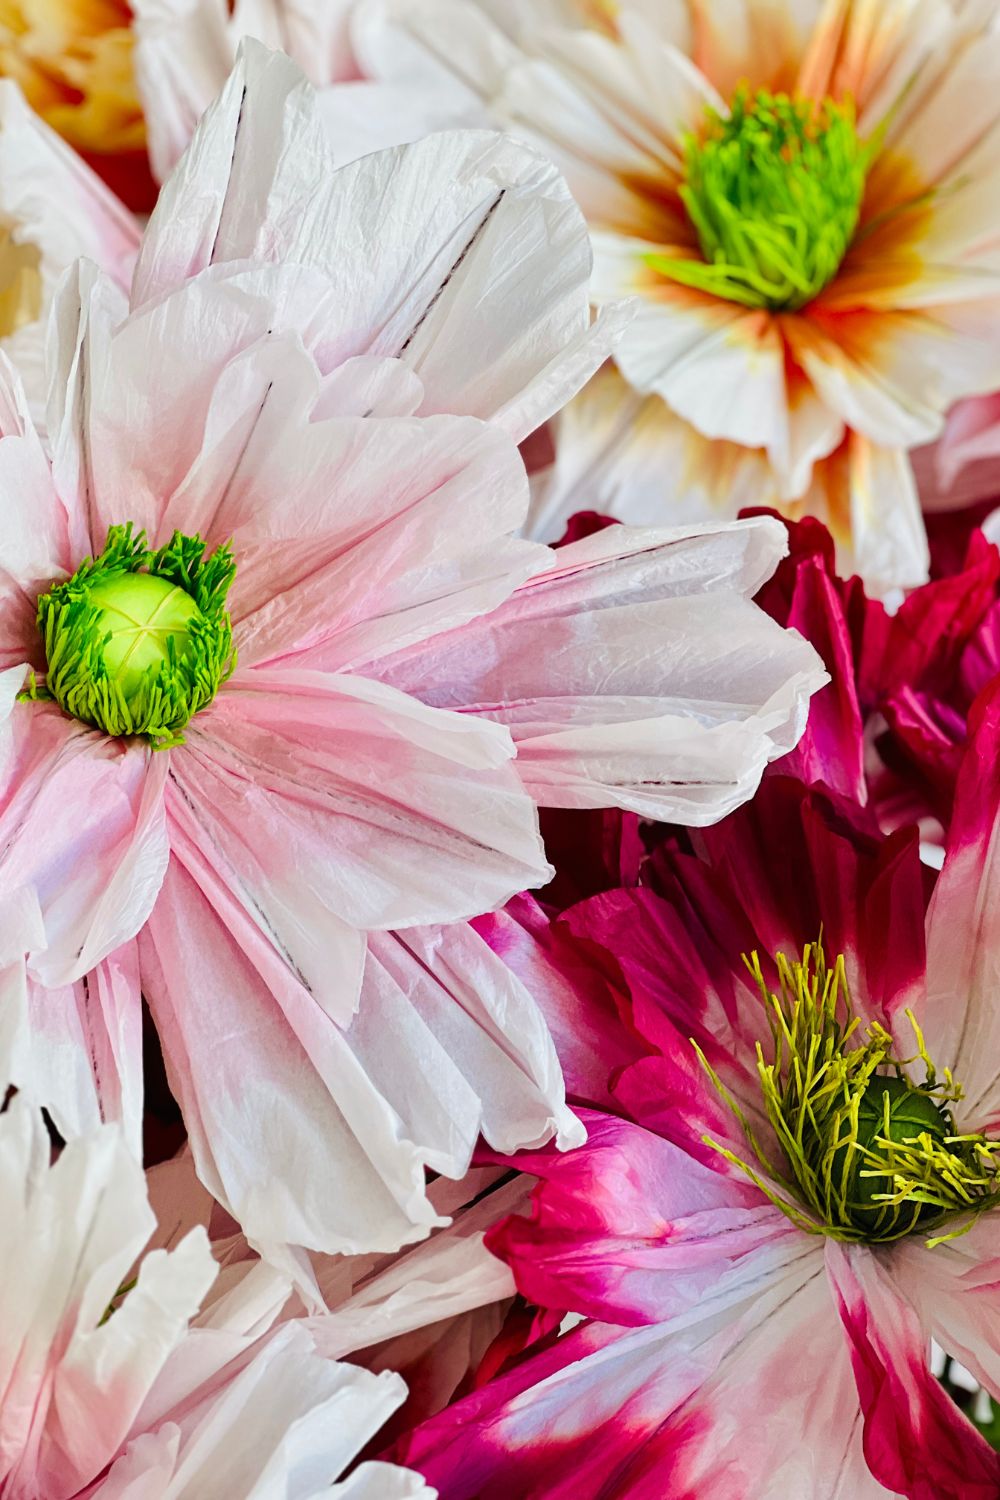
point(773, 191)
point(182, 663)
point(873, 1155)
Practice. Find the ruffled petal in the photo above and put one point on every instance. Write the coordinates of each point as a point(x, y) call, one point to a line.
point(85, 1220)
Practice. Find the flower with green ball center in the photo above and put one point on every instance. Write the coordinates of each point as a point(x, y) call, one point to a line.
point(773, 191)
point(871, 1155)
point(137, 641)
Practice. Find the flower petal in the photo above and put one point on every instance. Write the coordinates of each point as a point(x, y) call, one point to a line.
point(962, 1023)
point(97, 871)
point(917, 1441)
point(604, 716)
point(479, 278)
point(329, 803)
point(288, 1133)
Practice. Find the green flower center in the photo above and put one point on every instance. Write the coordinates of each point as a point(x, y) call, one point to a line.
point(137, 641)
point(871, 1155)
point(773, 191)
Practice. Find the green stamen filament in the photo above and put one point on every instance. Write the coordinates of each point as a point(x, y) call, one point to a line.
point(872, 1155)
point(773, 191)
point(137, 641)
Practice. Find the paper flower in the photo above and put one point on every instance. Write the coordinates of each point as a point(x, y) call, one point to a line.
point(801, 198)
point(798, 1189)
point(284, 645)
point(115, 1387)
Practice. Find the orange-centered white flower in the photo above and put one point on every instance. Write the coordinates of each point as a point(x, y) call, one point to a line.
point(803, 196)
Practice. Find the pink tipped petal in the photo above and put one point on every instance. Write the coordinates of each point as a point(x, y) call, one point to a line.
point(115, 845)
point(631, 1230)
point(917, 1442)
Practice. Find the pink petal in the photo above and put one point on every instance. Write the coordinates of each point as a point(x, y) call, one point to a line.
point(604, 716)
point(330, 803)
point(717, 1404)
point(287, 1131)
point(84, 1050)
point(357, 536)
point(629, 1229)
point(83, 825)
point(581, 1008)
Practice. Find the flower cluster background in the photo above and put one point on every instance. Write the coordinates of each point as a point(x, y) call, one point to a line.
point(500, 749)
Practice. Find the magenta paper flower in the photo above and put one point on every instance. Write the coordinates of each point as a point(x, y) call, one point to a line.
point(116, 1387)
point(272, 728)
point(763, 1298)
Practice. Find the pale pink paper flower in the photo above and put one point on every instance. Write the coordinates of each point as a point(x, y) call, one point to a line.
point(53, 209)
point(354, 780)
point(115, 1387)
point(805, 395)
